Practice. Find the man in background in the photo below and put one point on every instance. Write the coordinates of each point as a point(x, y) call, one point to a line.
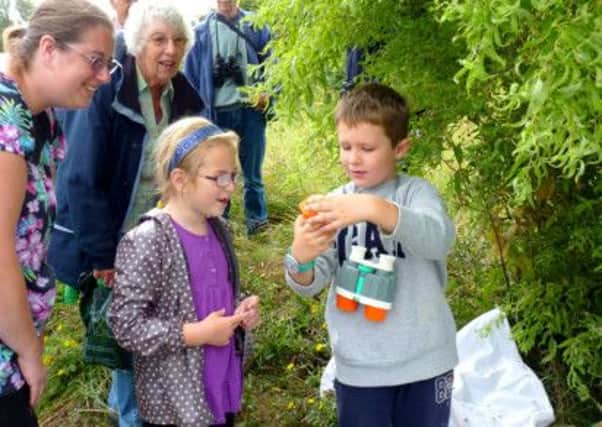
point(217, 65)
point(122, 8)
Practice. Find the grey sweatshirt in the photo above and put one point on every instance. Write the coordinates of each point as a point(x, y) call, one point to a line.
point(417, 340)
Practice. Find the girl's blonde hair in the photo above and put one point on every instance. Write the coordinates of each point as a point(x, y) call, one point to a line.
point(191, 163)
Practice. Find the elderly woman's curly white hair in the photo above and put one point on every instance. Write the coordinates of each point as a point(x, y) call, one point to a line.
point(141, 15)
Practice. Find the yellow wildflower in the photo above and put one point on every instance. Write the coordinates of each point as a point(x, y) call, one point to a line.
point(47, 360)
point(291, 405)
point(320, 347)
point(69, 343)
point(290, 366)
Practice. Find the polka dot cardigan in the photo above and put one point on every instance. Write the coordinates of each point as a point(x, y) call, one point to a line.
point(151, 302)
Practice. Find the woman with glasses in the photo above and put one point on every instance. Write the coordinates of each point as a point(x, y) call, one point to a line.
point(106, 180)
point(60, 60)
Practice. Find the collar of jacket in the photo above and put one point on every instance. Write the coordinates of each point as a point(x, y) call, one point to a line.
point(185, 100)
point(221, 231)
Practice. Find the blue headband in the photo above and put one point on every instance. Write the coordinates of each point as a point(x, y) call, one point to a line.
point(189, 143)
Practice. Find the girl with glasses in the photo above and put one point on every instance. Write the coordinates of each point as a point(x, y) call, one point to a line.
point(176, 297)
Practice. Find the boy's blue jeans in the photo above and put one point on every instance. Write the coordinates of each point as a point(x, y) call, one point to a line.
point(249, 124)
point(421, 404)
point(122, 398)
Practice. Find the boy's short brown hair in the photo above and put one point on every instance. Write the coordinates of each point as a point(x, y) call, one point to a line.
point(376, 104)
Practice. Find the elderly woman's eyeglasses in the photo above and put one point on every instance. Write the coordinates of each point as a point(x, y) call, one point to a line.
point(96, 62)
point(224, 179)
point(161, 41)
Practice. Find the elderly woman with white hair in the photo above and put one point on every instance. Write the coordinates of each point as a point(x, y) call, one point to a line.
point(106, 181)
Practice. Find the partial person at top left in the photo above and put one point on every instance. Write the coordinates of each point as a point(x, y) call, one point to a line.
point(10, 38)
point(62, 58)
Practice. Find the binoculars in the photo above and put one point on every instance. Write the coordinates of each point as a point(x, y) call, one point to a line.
point(227, 68)
point(367, 282)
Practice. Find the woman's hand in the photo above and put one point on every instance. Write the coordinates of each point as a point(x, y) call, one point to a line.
point(249, 308)
point(33, 371)
point(107, 276)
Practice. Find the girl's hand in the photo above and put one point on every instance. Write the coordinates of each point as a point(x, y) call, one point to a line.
point(249, 308)
point(310, 239)
point(215, 329)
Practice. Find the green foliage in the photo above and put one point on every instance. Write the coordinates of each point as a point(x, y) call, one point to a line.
point(249, 4)
point(540, 64)
point(530, 169)
point(310, 44)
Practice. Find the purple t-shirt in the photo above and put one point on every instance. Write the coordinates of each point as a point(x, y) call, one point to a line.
point(211, 291)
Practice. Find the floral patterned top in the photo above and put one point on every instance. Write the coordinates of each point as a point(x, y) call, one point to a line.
point(39, 140)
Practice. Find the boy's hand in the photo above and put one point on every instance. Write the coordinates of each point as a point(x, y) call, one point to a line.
point(337, 212)
point(249, 309)
point(215, 329)
point(309, 240)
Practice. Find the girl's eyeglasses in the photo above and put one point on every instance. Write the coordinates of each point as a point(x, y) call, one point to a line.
point(223, 180)
point(96, 62)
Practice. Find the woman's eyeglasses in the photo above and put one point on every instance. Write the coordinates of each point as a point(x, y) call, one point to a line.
point(96, 62)
point(161, 41)
point(223, 180)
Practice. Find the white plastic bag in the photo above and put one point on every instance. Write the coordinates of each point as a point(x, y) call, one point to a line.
point(492, 385)
point(327, 379)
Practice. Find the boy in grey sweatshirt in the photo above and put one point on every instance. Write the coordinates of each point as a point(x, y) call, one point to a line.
point(381, 242)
